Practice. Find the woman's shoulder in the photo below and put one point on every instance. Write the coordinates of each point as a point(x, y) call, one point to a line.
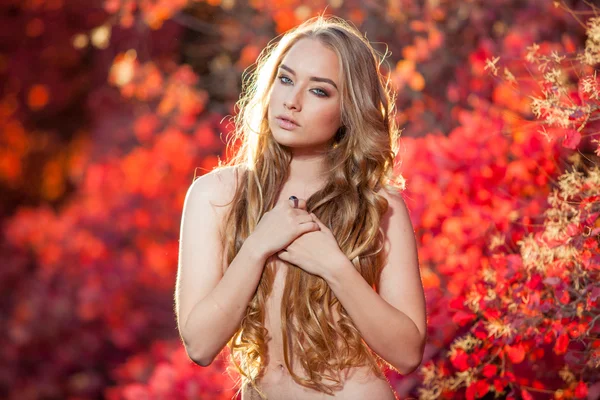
point(217, 186)
point(390, 193)
point(396, 203)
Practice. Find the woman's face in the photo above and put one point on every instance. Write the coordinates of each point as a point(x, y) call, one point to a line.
point(306, 90)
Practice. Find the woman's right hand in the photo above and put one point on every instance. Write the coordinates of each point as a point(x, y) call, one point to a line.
point(281, 225)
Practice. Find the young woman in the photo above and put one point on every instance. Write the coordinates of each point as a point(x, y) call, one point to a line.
point(299, 254)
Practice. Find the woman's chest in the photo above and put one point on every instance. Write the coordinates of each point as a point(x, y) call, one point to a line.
point(277, 382)
point(273, 307)
point(275, 310)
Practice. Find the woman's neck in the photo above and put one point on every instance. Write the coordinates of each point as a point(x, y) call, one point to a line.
point(307, 170)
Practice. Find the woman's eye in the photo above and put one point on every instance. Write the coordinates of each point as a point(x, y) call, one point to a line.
point(320, 93)
point(282, 79)
point(285, 80)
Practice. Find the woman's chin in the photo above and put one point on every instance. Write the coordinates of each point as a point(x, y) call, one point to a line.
point(287, 144)
point(292, 144)
point(284, 139)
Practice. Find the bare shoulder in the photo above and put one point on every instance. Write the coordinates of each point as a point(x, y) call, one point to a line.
point(395, 199)
point(396, 222)
point(216, 187)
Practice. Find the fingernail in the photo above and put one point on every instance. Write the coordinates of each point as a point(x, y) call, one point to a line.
point(293, 198)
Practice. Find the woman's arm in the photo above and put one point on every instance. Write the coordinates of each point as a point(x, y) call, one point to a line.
point(393, 323)
point(209, 304)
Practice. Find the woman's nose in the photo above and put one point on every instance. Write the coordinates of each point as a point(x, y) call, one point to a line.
point(293, 102)
point(289, 105)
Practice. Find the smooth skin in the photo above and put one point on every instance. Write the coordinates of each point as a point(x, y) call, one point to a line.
point(395, 314)
point(306, 88)
point(282, 225)
point(210, 299)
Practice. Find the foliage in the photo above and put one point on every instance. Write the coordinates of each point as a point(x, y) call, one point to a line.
point(97, 149)
point(534, 310)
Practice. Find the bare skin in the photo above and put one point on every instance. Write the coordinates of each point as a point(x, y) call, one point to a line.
point(307, 90)
point(314, 105)
point(212, 300)
point(212, 296)
point(277, 384)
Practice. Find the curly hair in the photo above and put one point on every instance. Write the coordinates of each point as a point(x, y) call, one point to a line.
point(358, 165)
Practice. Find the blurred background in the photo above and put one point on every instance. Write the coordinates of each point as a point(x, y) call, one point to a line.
point(109, 108)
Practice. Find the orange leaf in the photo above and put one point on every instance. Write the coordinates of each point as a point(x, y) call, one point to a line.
point(416, 82)
point(560, 347)
point(515, 353)
point(38, 97)
point(145, 126)
point(430, 279)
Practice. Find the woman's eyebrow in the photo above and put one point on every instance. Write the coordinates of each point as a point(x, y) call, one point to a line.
point(312, 78)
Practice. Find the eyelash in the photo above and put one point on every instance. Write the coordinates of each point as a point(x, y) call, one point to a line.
point(320, 95)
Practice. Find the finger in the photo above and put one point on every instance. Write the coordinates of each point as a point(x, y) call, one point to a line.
point(297, 203)
point(308, 227)
point(299, 211)
point(304, 218)
point(294, 201)
point(284, 255)
point(318, 221)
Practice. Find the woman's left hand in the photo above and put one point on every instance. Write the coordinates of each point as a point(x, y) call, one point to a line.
point(316, 252)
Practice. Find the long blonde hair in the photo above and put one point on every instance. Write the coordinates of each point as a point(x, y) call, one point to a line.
point(359, 164)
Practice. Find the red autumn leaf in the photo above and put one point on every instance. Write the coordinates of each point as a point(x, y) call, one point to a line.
point(510, 376)
point(572, 139)
point(581, 391)
point(460, 360)
point(490, 370)
point(526, 395)
point(477, 389)
point(534, 282)
point(538, 385)
point(564, 297)
point(145, 126)
point(515, 353)
point(562, 342)
point(462, 318)
point(205, 137)
point(573, 229)
point(38, 96)
point(457, 303)
point(491, 313)
point(499, 385)
point(285, 19)
point(479, 355)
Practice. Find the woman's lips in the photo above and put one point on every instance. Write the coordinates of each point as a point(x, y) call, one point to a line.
point(285, 124)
